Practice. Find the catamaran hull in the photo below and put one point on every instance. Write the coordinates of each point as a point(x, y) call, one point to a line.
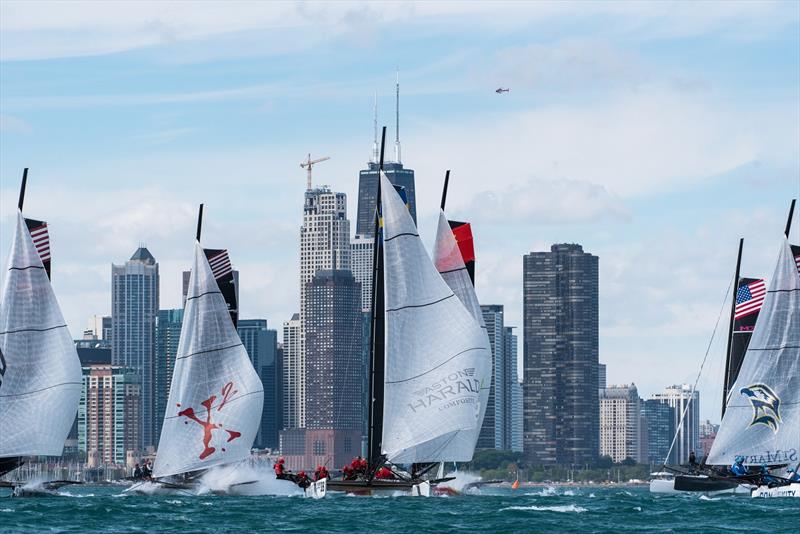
point(765, 492)
point(317, 490)
point(667, 487)
point(422, 488)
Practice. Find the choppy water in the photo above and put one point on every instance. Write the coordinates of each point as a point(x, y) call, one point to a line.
point(539, 510)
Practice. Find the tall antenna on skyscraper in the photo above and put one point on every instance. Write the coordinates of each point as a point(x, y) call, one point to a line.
point(397, 118)
point(375, 130)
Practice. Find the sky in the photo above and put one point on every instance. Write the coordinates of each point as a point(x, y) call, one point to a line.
point(653, 134)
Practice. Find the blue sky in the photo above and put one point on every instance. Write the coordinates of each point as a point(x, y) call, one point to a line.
point(654, 134)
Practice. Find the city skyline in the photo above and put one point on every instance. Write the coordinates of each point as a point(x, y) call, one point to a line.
point(668, 201)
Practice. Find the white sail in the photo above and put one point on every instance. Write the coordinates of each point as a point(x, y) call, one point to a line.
point(216, 397)
point(450, 264)
point(762, 418)
point(40, 374)
point(436, 353)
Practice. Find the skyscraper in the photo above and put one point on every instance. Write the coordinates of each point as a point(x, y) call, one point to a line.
point(324, 244)
point(493, 431)
point(361, 257)
point(659, 419)
point(620, 423)
point(291, 372)
point(108, 413)
point(134, 305)
point(333, 351)
point(561, 410)
point(395, 172)
point(683, 400)
point(601, 376)
point(514, 426)
point(168, 334)
point(261, 344)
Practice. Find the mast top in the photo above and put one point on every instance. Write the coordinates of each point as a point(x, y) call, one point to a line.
point(22, 189)
point(199, 222)
point(788, 221)
point(444, 189)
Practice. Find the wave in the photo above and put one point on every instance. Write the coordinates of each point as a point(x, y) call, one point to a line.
point(561, 508)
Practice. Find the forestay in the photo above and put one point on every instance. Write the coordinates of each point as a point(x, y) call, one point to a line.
point(216, 397)
point(762, 420)
point(450, 263)
point(436, 353)
point(40, 374)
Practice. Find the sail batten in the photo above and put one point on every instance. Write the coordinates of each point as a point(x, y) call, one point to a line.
point(216, 396)
point(40, 375)
point(436, 353)
point(762, 418)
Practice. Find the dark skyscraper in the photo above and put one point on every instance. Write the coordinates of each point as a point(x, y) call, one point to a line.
point(368, 187)
point(168, 334)
point(561, 405)
point(134, 306)
point(493, 431)
point(262, 347)
point(333, 351)
point(659, 429)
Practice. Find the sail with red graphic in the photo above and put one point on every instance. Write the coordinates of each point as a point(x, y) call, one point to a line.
point(454, 257)
point(40, 374)
point(216, 397)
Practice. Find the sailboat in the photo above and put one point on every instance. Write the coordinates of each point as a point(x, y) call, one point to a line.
point(216, 397)
point(761, 420)
point(40, 373)
point(428, 359)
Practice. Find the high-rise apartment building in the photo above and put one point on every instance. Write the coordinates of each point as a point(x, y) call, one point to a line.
point(324, 244)
point(493, 431)
point(601, 376)
point(513, 416)
point(362, 250)
point(686, 406)
point(168, 334)
point(659, 428)
point(333, 351)
point(561, 408)
point(620, 423)
point(134, 305)
point(292, 372)
point(108, 413)
point(261, 344)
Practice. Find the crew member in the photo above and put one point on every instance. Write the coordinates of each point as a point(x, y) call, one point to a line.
point(137, 472)
point(738, 467)
point(303, 480)
point(347, 473)
point(279, 468)
point(384, 473)
point(147, 471)
point(323, 473)
point(792, 475)
point(692, 458)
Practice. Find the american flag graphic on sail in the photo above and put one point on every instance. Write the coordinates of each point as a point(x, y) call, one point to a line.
point(220, 263)
point(796, 253)
point(41, 240)
point(749, 298)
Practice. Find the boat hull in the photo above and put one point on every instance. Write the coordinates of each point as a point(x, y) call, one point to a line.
point(765, 492)
point(665, 486)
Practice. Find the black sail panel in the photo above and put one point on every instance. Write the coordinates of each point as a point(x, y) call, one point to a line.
point(41, 239)
point(223, 273)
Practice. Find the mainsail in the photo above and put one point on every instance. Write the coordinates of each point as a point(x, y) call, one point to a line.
point(40, 374)
point(216, 397)
point(450, 260)
point(762, 420)
point(436, 354)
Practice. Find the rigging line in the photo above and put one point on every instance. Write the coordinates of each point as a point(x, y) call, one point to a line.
point(33, 329)
point(434, 368)
point(699, 373)
point(421, 305)
point(409, 234)
point(210, 350)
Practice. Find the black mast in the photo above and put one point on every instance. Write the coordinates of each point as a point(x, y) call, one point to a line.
point(377, 363)
point(726, 382)
point(199, 222)
point(788, 221)
point(25, 183)
point(444, 189)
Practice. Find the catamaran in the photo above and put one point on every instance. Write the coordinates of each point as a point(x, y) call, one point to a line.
point(216, 397)
point(429, 360)
point(40, 373)
point(760, 429)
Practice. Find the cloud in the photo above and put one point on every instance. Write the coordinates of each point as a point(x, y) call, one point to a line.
point(14, 125)
point(539, 201)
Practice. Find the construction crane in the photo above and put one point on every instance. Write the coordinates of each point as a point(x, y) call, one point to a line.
point(310, 163)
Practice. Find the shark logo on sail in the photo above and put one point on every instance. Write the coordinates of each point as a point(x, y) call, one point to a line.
point(766, 405)
point(208, 425)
